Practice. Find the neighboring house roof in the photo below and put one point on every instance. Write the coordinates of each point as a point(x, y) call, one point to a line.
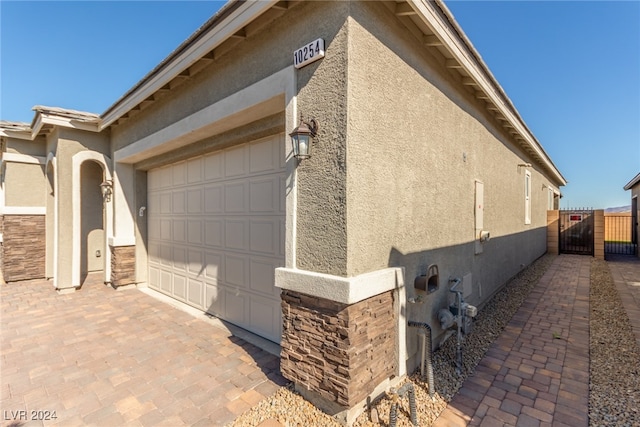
point(633, 182)
point(46, 118)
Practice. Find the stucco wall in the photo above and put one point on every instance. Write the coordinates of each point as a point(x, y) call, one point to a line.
point(321, 94)
point(417, 142)
point(31, 148)
point(25, 185)
point(69, 143)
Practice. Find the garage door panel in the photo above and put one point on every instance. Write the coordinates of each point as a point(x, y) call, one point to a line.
point(179, 286)
point(195, 231)
point(263, 235)
point(179, 259)
point(234, 309)
point(235, 235)
point(261, 274)
point(195, 292)
point(178, 228)
point(213, 233)
point(194, 201)
point(165, 229)
point(154, 277)
point(213, 199)
point(194, 170)
point(213, 167)
point(165, 203)
point(179, 173)
point(214, 299)
point(213, 266)
point(263, 195)
point(165, 255)
point(235, 270)
point(165, 281)
point(264, 156)
point(178, 206)
point(216, 232)
point(235, 161)
point(234, 197)
point(195, 265)
point(263, 317)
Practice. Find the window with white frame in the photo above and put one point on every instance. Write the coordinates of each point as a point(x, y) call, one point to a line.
point(527, 197)
point(550, 200)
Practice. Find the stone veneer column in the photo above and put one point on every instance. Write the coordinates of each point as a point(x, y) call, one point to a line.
point(339, 352)
point(123, 265)
point(24, 247)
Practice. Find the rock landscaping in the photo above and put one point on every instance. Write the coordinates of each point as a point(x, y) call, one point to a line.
point(614, 377)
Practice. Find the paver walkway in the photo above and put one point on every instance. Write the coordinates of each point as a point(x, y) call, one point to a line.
point(537, 372)
point(121, 358)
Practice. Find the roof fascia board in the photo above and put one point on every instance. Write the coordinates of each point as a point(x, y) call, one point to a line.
point(51, 119)
point(16, 134)
point(209, 40)
point(633, 182)
point(463, 53)
point(23, 158)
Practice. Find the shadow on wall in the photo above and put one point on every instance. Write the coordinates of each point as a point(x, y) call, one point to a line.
point(483, 274)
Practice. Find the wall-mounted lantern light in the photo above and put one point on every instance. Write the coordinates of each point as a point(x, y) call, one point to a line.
point(107, 190)
point(302, 137)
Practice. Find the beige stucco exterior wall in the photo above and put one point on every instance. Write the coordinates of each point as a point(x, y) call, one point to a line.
point(69, 143)
point(417, 142)
point(27, 187)
point(321, 87)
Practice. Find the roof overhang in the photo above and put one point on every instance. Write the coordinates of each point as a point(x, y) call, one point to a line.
point(46, 118)
point(633, 182)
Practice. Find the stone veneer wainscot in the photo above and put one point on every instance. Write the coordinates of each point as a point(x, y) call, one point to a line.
point(337, 350)
point(24, 247)
point(123, 265)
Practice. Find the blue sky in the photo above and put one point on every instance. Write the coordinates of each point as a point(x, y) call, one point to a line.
point(571, 68)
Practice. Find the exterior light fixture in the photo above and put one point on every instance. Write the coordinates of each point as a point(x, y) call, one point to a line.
point(106, 188)
point(302, 137)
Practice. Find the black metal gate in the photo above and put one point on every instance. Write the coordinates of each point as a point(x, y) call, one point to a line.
point(576, 232)
point(619, 234)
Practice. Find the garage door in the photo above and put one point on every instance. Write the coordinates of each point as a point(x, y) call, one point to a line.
point(216, 233)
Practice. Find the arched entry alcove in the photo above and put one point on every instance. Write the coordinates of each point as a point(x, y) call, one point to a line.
point(92, 216)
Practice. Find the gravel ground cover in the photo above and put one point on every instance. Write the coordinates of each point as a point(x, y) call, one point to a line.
point(614, 398)
point(291, 410)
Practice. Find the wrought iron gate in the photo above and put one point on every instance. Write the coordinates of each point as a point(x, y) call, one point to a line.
point(576, 232)
point(619, 234)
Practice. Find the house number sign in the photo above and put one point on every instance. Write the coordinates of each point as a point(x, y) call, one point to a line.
point(308, 53)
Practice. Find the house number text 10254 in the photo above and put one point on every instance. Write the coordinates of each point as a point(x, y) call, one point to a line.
point(308, 53)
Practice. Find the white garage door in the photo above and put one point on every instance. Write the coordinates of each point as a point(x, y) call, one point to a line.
point(216, 233)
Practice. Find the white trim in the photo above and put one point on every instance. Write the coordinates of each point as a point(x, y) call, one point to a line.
point(251, 103)
point(122, 241)
point(77, 161)
point(24, 210)
point(23, 158)
point(351, 290)
point(527, 197)
point(51, 159)
point(344, 290)
point(202, 45)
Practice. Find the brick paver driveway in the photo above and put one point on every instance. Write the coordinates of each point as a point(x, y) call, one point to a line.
point(105, 357)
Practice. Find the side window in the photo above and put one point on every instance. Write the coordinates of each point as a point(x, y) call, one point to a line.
point(527, 197)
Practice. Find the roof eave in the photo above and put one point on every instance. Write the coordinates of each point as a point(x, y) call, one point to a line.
point(233, 16)
point(633, 182)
